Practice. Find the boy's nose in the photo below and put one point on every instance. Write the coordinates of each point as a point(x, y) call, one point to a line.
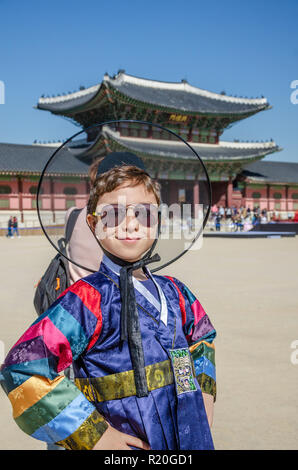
point(132, 223)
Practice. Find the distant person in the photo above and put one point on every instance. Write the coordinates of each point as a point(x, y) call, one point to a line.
point(255, 219)
point(228, 212)
point(214, 210)
point(240, 223)
point(264, 219)
point(9, 227)
point(247, 225)
point(217, 222)
point(15, 227)
point(236, 226)
point(221, 211)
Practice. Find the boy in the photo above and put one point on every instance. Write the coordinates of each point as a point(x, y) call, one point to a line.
point(129, 339)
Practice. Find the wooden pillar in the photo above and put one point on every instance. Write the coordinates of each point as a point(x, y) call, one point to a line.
point(20, 191)
point(244, 194)
point(196, 192)
point(189, 136)
point(173, 192)
point(229, 192)
point(287, 198)
point(52, 199)
point(196, 198)
point(87, 187)
point(268, 197)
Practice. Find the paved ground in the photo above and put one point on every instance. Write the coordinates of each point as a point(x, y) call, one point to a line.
point(249, 289)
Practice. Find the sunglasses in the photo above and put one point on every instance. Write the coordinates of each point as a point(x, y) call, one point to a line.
point(113, 215)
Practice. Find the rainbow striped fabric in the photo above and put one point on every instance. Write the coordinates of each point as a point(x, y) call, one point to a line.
point(47, 405)
point(200, 335)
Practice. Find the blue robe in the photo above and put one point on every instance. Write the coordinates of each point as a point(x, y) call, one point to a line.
point(83, 327)
point(163, 419)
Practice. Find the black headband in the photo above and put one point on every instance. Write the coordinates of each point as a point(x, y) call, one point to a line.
point(117, 159)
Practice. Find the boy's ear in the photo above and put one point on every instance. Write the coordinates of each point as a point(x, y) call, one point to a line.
point(91, 221)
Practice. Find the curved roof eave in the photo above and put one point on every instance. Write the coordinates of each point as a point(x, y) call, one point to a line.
point(31, 159)
point(228, 151)
point(182, 96)
point(167, 95)
point(70, 101)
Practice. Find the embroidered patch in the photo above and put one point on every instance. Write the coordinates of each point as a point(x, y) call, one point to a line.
point(182, 369)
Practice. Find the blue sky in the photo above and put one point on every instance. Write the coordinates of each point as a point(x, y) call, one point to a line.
point(244, 48)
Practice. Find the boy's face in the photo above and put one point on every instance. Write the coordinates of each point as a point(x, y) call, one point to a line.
point(122, 233)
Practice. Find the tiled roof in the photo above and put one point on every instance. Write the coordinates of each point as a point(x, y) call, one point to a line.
point(279, 172)
point(175, 96)
point(68, 101)
point(183, 96)
point(32, 159)
point(232, 151)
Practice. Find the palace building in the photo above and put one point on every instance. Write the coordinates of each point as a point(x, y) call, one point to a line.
point(238, 175)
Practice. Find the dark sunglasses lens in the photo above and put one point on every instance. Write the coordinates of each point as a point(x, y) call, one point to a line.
point(146, 214)
point(112, 216)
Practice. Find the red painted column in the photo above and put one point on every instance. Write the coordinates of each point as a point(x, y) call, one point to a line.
point(20, 191)
point(244, 194)
point(87, 183)
point(229, 193)
point(287, 198)
point(196, 198)
point(268, 197)
point(52, 199)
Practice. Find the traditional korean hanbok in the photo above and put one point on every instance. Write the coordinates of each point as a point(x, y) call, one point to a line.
point(83, 327)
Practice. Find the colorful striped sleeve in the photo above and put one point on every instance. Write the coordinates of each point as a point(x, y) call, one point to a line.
point(200, 335)
point(46, 405)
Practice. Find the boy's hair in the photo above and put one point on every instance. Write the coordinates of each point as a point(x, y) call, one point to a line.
point(112, 179)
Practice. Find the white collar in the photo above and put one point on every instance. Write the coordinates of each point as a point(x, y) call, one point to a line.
point(161, 306)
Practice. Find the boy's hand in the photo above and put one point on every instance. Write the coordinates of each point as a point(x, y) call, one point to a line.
point(209, 407)
point(116, 440)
